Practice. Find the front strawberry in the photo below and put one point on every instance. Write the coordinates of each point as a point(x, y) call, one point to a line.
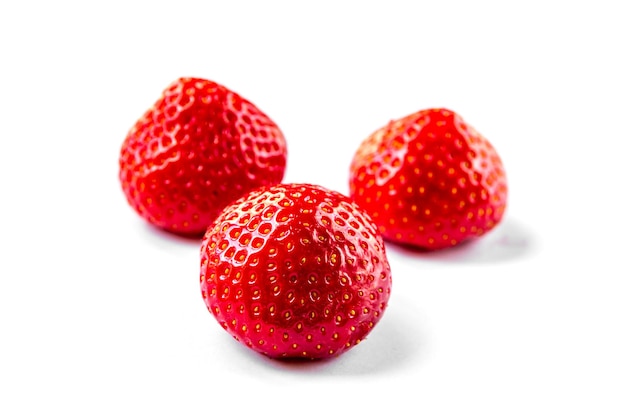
point(429, 180)
point(295, 271)
point(197, 149)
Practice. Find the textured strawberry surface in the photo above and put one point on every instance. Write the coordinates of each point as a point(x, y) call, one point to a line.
point(295, 271)
point(429, 180)
point(196, 150)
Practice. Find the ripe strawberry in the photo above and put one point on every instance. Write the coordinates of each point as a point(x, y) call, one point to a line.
point(429, 180)
point(197, 149)
point(295, 271)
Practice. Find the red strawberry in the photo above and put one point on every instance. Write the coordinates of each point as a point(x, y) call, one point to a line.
point(197, 149)
point(429, 180)
point(295, 271)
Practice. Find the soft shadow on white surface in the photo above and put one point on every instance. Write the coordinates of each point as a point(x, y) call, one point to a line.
point(511, 240)
point(394, 344)
point(167, 240)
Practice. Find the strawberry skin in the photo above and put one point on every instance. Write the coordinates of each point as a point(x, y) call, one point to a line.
point(197, 149)
point(295, 271)
point(429, 180)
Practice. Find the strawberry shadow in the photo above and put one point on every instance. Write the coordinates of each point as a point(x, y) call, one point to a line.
point(395, 343)
point(511, 240)
point(164, 239)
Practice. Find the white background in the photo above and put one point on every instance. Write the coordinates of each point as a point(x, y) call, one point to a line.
point(101, 316)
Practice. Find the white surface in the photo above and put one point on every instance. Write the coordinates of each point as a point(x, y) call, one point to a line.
point(101, 316)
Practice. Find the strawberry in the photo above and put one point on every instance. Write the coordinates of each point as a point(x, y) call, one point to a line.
point(295, 271)
point(429, 180)
point(197, 149)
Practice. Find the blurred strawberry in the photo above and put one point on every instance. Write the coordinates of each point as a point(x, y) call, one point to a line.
point(429, 180)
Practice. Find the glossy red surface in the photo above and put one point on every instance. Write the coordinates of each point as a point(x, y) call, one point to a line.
point(197, 149)
point(429, 180)
point(295, 271)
